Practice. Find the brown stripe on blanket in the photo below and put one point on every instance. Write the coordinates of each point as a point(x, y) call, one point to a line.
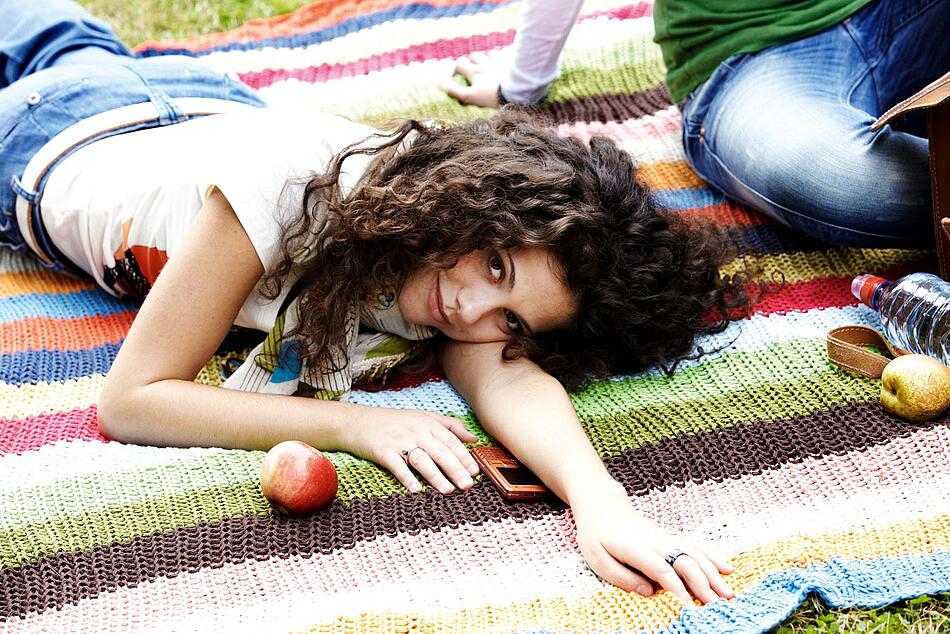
point(744, 449)
point(604, 108)
point(715, 455)
point(65, 579)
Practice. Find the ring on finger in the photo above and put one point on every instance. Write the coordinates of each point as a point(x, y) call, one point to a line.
point(675, 554)
point(406, 453)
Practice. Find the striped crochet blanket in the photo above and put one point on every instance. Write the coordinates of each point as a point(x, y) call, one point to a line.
point(763, 450)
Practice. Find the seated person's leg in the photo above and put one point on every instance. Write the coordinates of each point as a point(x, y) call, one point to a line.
point(910, 44)
point(786, 132)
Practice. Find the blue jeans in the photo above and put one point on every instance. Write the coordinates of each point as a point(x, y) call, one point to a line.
point(786, 130)
point(60, 65)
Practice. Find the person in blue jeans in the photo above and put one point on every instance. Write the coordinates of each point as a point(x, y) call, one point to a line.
point(60, 66)
point(786, 130)
point(522, 260)
point(777, 100)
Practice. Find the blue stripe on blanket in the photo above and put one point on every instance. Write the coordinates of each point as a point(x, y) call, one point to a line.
point(680, 199)
point(61, 305)
point(56, 365)
point(340, 29)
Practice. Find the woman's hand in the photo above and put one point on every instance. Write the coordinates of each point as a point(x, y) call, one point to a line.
point(629, 551)
point(428, 442)
point(482, 72)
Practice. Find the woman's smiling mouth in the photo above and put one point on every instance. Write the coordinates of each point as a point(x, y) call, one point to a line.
point(435, 303)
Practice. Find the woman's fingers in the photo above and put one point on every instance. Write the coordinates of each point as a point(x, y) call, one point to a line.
point(712, 572)
point(447, 462)
point(455, 426)
point(453, 442)
point(457, 91)
point(614, 572)
point(397, 466)
point(690, 571)
point(723, 566)
point(482, 89)
point(466, 68)
point(656, 568)
point(420, 460)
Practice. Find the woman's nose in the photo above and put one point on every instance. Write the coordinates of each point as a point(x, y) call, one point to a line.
point(475, 302)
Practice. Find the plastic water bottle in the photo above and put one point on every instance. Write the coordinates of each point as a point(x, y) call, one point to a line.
point(915, 311)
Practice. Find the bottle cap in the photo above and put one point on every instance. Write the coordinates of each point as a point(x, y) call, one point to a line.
point(865, 288)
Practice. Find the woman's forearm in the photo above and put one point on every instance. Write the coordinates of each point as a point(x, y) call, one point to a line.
point(534, 418)
point(545, 25)
point(185, 414)
point(529, 412)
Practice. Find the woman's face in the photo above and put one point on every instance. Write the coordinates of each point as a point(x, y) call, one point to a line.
point(489, 295)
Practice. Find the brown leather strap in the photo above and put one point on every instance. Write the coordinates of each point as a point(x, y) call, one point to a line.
point(936, 98)
point(845, 351)
point(930, 95)
point(938, 122)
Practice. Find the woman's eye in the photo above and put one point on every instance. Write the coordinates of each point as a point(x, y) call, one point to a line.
point(497, 268)
point(512, 321)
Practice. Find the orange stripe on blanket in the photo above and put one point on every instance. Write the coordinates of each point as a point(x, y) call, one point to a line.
point(726, 214)
point(304, 20)
point(81, 333)
point(669, 175)
point(41, 282)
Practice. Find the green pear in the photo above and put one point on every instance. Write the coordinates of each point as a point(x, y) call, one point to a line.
point(915, 387)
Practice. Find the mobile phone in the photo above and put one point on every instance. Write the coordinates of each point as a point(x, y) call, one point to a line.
point(513, 479)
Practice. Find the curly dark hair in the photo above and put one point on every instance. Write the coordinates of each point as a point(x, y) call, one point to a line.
point(647, 283)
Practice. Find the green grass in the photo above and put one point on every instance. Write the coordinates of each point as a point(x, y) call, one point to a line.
point(136, 21)
point(923, 615)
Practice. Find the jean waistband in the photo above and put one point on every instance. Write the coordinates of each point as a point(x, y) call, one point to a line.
point(29, 188)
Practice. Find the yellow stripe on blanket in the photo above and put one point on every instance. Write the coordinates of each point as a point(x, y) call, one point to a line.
point(613, 609)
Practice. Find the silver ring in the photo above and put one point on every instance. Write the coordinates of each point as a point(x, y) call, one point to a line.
point(405, 453)
point(673, 556)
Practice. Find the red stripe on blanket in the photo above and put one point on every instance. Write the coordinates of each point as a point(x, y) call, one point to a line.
point(451, 48)
point(439, 49)
point(401, 381)
point(801, 296)
point(825, 292)
point(725, 215)
point(18, 435)
point(628, 12)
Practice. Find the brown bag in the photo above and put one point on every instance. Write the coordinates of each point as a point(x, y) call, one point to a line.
point(934, 98)
point(845, 344)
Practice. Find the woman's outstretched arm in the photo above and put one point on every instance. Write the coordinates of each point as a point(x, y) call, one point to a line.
point(529, 412)
point(149, 396)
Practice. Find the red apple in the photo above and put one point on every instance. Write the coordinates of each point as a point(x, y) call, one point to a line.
point(297, 479)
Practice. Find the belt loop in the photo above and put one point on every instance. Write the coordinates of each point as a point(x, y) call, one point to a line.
point(47, 254)
point(22, 192)
point(168, 112)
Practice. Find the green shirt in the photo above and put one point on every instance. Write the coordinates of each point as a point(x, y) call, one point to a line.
point(696, 35)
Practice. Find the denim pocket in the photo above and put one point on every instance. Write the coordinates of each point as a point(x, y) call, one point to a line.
point(697, 104)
